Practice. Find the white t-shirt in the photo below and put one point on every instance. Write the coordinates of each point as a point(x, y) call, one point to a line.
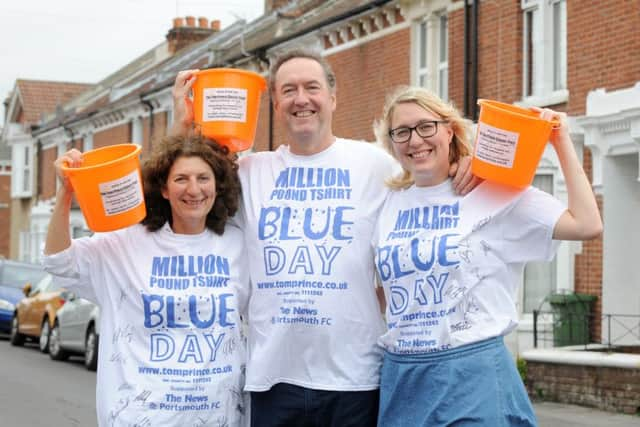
point(450, 265)
point(171, 348)
point(313, 314)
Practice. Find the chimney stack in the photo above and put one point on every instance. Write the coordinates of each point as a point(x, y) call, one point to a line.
point(178, 22)
point(271, 5)
point(185, 31)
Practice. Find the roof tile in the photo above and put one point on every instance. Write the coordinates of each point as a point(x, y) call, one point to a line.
point(41, 96)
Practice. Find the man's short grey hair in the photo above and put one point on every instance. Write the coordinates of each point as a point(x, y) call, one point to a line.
point(280, 59)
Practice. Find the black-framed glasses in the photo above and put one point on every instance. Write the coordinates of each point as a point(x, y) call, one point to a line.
point(424, 129)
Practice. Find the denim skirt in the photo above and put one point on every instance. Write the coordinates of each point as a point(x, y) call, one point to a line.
point(471, 385)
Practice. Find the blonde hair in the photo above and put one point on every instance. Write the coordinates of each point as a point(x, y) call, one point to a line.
point(426, 99)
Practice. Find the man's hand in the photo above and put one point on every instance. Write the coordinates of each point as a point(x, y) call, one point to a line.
point(182, 103)
point(463, 180)
point(71, 159)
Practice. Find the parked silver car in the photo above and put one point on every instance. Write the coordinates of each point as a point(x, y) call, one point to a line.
point(76, 331)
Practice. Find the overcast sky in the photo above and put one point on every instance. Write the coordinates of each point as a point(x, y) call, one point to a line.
point(86, 40)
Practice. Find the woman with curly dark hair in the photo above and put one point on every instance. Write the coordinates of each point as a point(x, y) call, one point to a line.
point(171, 291)
point(156, 169)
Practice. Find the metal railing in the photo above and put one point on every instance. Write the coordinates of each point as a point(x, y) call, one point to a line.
point(572, 328)
point(627, 325)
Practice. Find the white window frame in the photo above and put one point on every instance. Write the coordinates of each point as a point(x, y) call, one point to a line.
point(430, 65)
point(443, 55)
point(22, 169)
point(25, 246)
point(552, 265)
point(32, 240)
point(137, 133)
point(61, 148)
point(544, 52)
point(32, 245)
point(87, 142)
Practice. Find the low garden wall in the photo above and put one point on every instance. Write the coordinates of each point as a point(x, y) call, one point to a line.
point(597, 379)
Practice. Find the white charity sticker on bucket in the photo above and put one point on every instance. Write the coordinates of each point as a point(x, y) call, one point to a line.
point(122, 194)
point(496, 146)
point(224, 105)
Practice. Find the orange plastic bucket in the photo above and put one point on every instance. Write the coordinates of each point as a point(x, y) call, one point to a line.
point(225, 105)
point(509, 143)
point(108, 187)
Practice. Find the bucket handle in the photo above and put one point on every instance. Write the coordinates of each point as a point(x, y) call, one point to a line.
point(555, 124)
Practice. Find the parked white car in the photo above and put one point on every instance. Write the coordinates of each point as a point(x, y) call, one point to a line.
point(76, 330)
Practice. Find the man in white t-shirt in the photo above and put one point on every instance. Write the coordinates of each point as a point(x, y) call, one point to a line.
point(308, 214)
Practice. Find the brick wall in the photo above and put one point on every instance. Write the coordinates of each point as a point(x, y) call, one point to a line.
point(603, 44)
point(159, 132)
point(602, 56)
point(360, 100)
point(609, 389)
point(116, 135)
point(47, 173)
point(261, 142)
point(365, 74)
point(456, 59)
point(499, 52)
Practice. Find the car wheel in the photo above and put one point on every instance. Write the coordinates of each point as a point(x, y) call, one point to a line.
point(91, 350)
point(16, 337)
point(45, 334)
point(56, 352)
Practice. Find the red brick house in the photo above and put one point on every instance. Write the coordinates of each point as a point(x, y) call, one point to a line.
point(25, 109)
point(5, 199)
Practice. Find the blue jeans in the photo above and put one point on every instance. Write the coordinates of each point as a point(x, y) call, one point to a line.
point(287, 405)
point(473, 385)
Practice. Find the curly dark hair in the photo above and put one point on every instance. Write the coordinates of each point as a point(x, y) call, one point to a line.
point(155, 173)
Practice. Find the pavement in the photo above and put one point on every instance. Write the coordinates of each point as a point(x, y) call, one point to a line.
point(552, 414)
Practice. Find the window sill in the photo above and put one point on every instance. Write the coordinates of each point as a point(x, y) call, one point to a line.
point(554, 98)
point(21, 195)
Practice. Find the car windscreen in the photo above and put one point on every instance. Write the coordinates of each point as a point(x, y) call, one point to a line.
point(16, 276)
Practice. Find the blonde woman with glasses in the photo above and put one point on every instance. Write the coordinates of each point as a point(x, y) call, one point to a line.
point(450, 266)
